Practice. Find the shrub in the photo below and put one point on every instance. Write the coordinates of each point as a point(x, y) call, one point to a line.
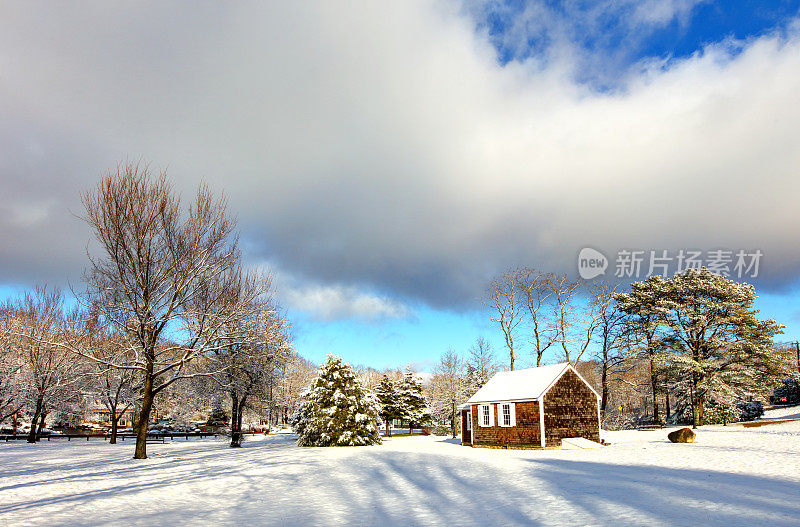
point(750, 410)
point(440, 430)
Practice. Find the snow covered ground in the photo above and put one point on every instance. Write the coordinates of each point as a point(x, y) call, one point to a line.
point(730, 476)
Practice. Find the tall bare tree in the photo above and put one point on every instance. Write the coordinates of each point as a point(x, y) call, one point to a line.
point(610, 352)
point(503, 298)
point(577, 316)
point(294, 378)
point(537, 291)
point(156, 258)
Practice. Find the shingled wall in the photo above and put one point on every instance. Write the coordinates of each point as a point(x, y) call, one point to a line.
point(526, 433)
point(570, 410)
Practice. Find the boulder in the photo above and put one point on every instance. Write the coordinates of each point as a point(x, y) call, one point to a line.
point(682, 435)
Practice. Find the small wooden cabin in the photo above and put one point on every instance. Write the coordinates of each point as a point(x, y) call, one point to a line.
point(531, 408)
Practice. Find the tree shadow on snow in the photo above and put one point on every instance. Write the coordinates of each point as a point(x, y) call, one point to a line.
point(671, 496)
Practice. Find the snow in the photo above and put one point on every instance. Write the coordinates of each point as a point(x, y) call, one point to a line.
point(731, 476)
point(577, 443)
point(782, 412)
point(518, 385)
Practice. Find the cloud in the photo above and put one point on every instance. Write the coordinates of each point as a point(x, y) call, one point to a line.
point(382, 147)
point(333, 302)
point(328, 303)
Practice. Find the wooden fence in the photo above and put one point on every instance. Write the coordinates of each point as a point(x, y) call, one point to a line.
point(120, 437)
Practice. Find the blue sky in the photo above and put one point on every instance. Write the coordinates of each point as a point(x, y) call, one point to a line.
point(420, 341)
point(694, 24)
point(385, 160)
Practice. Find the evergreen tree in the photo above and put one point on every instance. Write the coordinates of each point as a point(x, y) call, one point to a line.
point(336, 410)
point(412, 402)
point(389, 399)
point(218, 416)
point(711, 336)
point(641, 329)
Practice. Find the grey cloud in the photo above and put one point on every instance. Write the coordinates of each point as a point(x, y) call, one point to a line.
point(381, 147)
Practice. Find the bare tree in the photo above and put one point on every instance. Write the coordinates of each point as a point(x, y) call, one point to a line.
point(480, 364)
point(448, 386)
point(611, 324)
point(39, 328)
point(537, 291)
point(116, 387)
point(10, 369)
point(295, 376)
point(576, 317)
point(251, 345)
point(503, 299)
point(156, 259)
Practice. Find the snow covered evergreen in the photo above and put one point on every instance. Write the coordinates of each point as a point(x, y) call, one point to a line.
point(701, 328)
point(337, 410)
point(413, 407)
point(389, 400)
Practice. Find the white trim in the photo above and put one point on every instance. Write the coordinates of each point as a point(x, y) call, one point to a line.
point(527, 400)
point(491, 415)
point(541, 421)
point(469, 420)
point(599, 422)
point(513, 414)
point(554, 381)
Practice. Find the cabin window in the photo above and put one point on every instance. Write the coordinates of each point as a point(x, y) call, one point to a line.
point(469, 420)
point(507, 417)
point(486, 415)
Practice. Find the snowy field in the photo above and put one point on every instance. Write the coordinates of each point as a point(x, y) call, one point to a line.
point(730, 476)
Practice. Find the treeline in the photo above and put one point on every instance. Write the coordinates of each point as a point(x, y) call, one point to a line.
point(691, 346)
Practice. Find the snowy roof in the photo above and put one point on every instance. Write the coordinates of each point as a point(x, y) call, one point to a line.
point(517, 385)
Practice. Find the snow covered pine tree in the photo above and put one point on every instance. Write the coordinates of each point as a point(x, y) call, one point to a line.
point(388, 398)
point(337, 410)
point(412, 403)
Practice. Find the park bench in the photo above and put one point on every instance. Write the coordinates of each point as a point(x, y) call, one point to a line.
point(650, 426)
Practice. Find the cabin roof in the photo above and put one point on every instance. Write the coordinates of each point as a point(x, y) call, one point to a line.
point(521, 385)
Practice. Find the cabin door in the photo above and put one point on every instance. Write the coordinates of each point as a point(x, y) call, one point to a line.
point(466, 427)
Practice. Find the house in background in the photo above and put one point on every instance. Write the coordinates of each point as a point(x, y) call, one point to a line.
point(532, 408)
point(92, 412)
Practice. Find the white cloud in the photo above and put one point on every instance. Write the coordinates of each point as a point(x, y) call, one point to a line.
point(329, 303)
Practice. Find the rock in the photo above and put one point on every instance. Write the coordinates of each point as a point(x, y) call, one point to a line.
point(682, 435)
